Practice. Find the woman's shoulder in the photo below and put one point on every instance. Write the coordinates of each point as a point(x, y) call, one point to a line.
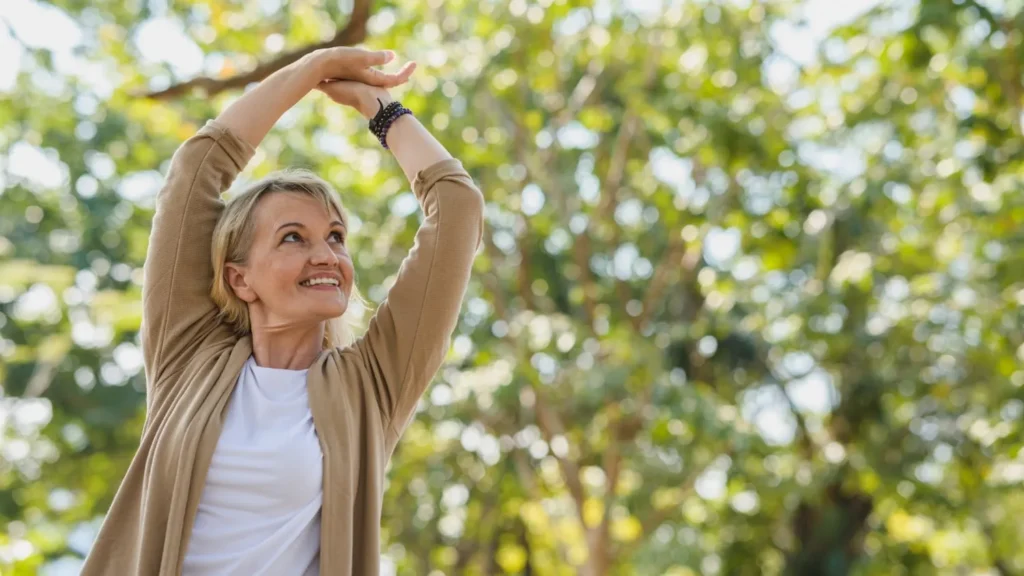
point(340, 360)
point(342, 382)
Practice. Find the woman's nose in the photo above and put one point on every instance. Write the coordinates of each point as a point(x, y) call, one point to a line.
point(323, 254)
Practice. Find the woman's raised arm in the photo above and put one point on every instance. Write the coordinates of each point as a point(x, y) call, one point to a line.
point(408, 336)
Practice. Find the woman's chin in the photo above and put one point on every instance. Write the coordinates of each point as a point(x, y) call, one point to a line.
point(327, 311)
point(323, 306)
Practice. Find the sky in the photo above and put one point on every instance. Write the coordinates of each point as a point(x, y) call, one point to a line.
point(164, 40)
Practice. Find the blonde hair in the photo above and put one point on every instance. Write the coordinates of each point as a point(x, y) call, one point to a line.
point(234, 235)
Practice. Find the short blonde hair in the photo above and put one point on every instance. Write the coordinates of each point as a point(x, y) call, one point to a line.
point(234, 235)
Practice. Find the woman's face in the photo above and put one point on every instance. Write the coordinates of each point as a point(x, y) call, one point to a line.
point(299, 271)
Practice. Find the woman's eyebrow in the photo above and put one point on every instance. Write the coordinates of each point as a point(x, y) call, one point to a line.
point(301, 225)
point(287, 224)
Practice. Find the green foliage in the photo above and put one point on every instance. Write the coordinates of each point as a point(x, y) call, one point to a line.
point(739, 311)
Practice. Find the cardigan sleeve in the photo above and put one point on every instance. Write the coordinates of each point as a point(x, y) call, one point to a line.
point(178, 312)
point(408, 336)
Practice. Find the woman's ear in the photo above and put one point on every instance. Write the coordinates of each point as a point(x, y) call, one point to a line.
point(237, 282)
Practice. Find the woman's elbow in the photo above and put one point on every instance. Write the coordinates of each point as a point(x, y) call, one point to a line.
point(474, 212)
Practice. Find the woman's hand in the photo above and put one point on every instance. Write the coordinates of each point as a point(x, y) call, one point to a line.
point(347, 63)
point(362, 97)
point(254, 114)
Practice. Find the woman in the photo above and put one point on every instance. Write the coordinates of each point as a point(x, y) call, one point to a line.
point(267, 433)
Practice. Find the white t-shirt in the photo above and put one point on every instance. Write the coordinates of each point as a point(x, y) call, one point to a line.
point(259, 513)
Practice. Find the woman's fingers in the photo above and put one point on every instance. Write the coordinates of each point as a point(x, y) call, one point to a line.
point(406, 72)
point(346, 62)
point(375, 77)
point(347, 55)
point(363, 97)
point(379, 57)
point(362, 58)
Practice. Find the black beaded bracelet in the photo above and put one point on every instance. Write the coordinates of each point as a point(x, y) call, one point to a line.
point(381, 122)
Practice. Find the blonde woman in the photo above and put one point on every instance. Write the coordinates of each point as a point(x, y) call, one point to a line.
point(268, 428)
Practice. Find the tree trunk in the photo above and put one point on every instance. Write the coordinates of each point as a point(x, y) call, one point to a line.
point(829, 534)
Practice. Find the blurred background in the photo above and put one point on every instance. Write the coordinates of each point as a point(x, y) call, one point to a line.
point(749, 300)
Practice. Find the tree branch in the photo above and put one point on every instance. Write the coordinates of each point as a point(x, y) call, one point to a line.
point(807, 443)
point(524, 274)
point(41, 378)
point(672, 257)
point(585, 89)
point(492, 281)
point(617, 173)
point(1012, 80)
point(527, 477)
point(551, 425)
point(617, 164)
point(675, 252)
point(537, 166)
point(14, 35)
point(610, 200)
point(353, 33)
point(522, 144)
point(46, 366)
point(998, 563)
point(581, 253)
point(468, 547)
point(537, 170)
point(611, 462)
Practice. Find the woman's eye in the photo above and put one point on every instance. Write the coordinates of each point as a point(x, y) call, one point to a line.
point(338, 237)
point(291, 237)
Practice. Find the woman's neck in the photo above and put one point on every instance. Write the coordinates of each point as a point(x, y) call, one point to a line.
point(289, 348)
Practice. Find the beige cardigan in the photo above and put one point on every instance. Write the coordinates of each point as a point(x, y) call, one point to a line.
point(361, 397)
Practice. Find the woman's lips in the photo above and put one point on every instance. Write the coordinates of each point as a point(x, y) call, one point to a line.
point(323, 287)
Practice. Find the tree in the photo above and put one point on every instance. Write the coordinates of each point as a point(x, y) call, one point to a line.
point(738, 311)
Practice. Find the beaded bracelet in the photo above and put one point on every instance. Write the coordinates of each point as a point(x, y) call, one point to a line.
point(381, 123)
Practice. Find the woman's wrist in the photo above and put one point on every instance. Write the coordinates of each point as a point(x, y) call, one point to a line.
point(316, 64)
point(309, 70)
point(374, 103)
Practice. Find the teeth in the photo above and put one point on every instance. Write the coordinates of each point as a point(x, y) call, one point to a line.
point(318, 281)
